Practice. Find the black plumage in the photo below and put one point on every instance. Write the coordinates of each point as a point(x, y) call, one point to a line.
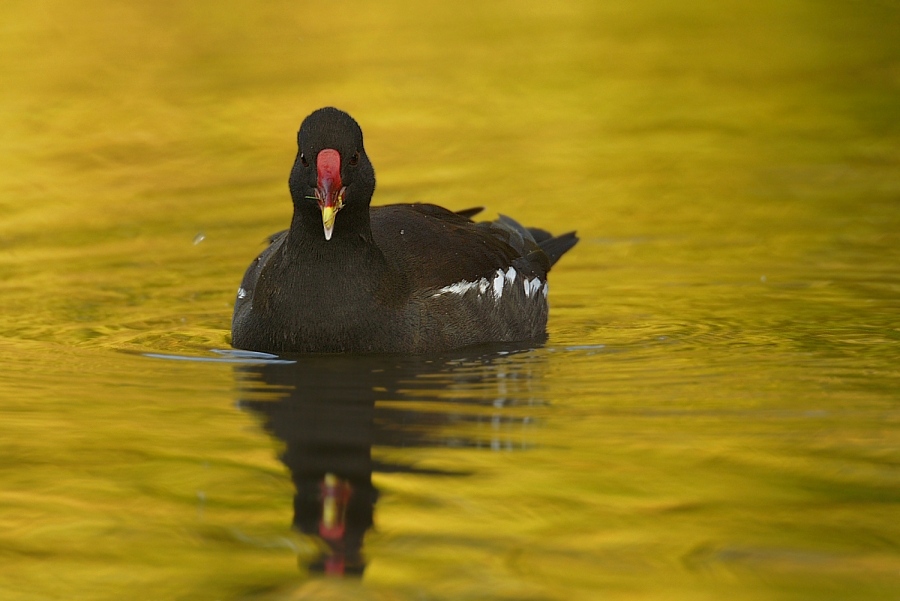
point(410, 278)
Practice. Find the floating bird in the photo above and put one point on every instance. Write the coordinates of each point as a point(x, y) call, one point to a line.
point(403, 278)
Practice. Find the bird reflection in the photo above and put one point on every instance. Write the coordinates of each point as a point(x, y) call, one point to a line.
point(330, 410)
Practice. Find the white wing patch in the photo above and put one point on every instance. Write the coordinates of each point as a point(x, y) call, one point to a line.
point(495, 286)
point(242, 293)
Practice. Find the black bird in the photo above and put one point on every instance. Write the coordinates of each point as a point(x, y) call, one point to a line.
point(403, 278)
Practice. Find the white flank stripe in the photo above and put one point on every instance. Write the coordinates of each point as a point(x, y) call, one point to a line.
point(457, 288)
point(531, 286)
point(498, 284)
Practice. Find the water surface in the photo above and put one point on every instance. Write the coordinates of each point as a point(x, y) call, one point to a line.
point(715, 414)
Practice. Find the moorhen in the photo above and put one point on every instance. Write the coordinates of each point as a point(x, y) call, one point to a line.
point(402, 278)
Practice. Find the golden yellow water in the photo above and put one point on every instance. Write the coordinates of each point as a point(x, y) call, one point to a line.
point(715, 415)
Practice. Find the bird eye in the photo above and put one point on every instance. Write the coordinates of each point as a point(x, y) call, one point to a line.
point(354, 159)
point(303, 160)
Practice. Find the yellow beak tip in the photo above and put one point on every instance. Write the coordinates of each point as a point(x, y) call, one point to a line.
point(328, 215)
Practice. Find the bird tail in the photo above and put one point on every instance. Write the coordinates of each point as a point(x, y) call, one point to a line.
point(553, 246)
point(556, 246)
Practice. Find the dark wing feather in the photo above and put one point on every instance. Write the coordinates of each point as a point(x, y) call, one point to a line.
point(251, 276)
point(470, 212)
point(434, 247)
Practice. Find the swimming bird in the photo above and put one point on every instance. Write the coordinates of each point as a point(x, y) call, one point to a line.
point(403, 278)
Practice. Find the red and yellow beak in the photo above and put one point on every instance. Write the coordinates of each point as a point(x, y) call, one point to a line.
point(329, 188)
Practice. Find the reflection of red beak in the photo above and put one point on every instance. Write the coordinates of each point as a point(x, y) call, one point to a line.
point(329, 188)
point(336, 494)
